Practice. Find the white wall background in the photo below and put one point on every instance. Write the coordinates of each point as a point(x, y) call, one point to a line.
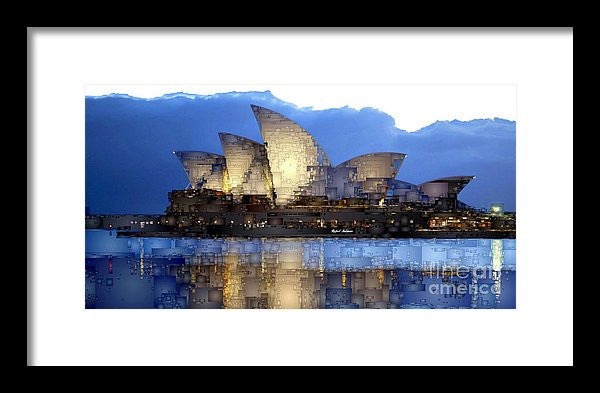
point(540, 64)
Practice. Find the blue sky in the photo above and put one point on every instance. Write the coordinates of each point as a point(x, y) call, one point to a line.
point(130, 166)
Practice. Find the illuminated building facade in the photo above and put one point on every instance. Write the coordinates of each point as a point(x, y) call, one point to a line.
point(204, 170)
point(371, 177)
point(291, 151)
point(291, 164)
point(247, 166)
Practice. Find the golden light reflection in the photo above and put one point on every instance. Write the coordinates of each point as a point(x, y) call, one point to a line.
point(497, 257)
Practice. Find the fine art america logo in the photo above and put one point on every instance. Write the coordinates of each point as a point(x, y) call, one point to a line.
point(490, 277)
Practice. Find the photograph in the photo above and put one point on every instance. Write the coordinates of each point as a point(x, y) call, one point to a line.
point(307, 208)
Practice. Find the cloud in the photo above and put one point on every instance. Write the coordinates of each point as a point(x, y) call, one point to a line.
point(411, 106)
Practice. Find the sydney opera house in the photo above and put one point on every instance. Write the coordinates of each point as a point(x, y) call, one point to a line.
point(291, 164)
point(287, 186)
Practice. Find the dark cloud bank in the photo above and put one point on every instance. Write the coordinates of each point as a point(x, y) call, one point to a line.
point(130, 166)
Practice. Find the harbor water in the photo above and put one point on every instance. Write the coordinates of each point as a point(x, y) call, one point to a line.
point(307, 273)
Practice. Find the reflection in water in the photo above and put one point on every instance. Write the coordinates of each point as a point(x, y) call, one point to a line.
point(497, 265)
point(298, 273)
